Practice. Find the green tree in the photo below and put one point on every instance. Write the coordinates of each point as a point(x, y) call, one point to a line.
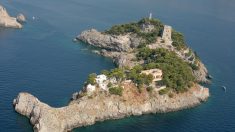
point(177, 74)
point(178, 40)
point(118, 73)
point(116, 91)
point(91, 79)
point(105, 72)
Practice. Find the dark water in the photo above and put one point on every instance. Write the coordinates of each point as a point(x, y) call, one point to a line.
point(42, 59)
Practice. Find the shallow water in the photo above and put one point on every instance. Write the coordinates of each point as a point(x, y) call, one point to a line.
point(42, 59)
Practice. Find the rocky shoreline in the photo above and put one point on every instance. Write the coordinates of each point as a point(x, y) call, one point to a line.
point(7, 21)
point(96, 102)
point(87, 110)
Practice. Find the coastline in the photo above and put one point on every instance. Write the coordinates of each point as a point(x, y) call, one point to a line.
point(86, 109)
point(7, 21)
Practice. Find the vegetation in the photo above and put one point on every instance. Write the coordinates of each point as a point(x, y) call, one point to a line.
point(140, 79)
point(136, 28)
point(149, 89)
point(189, 53)
point(91, 79)
point(133, 74)
point(171, 95)
point(124, 28)
point(194, 66)
point(105, 72)
point(109, 85)
point(116, 91)
point(177, 73)
point(178, 40)
point(118, 73)
point(164, 91)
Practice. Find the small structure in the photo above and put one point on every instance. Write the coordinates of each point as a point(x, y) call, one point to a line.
point(147, 27)
point(90, 88)
point(150, 16)
point(157, 77)
point(166, 34)
point(101, 80)
point(156, 73)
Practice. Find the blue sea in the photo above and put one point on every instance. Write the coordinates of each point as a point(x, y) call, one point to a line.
point(42, 59)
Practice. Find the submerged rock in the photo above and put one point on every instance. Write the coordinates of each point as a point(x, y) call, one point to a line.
point(8, 21)
point(21, 18)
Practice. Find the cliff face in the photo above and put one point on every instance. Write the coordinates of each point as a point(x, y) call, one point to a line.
point(122, 43)
point(8, 21)
point(89, 109)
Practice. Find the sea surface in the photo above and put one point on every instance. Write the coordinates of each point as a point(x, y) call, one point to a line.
point(42, 59)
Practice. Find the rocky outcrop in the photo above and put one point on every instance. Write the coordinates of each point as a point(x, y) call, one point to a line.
point(201, 74)
point(122, 43)
point(8, 21)
point(21, 18)
point(86, 110)
point(121, 59)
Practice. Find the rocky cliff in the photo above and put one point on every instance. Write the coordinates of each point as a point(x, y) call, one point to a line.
point(8, 21)
point(87, 110)
point(122, 43)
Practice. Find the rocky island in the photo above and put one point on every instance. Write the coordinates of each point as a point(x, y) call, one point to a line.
point(156, 73)
point(10, 22)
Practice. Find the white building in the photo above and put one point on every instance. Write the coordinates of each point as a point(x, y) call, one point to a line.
point(101, 80)
point(90, 88)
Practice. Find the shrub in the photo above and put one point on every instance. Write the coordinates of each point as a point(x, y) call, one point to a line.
point(171, 95)
point(91, 79)
point(178, 40)
point(163, 91)
point(118, 73)
point(105, 72)
point(109, 84)
point(149, 89)
point(138, 78)
point(194, 67)
point(116, 91)
point(140, 88)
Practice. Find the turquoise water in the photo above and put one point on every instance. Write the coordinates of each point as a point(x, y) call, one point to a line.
point(42, 59)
